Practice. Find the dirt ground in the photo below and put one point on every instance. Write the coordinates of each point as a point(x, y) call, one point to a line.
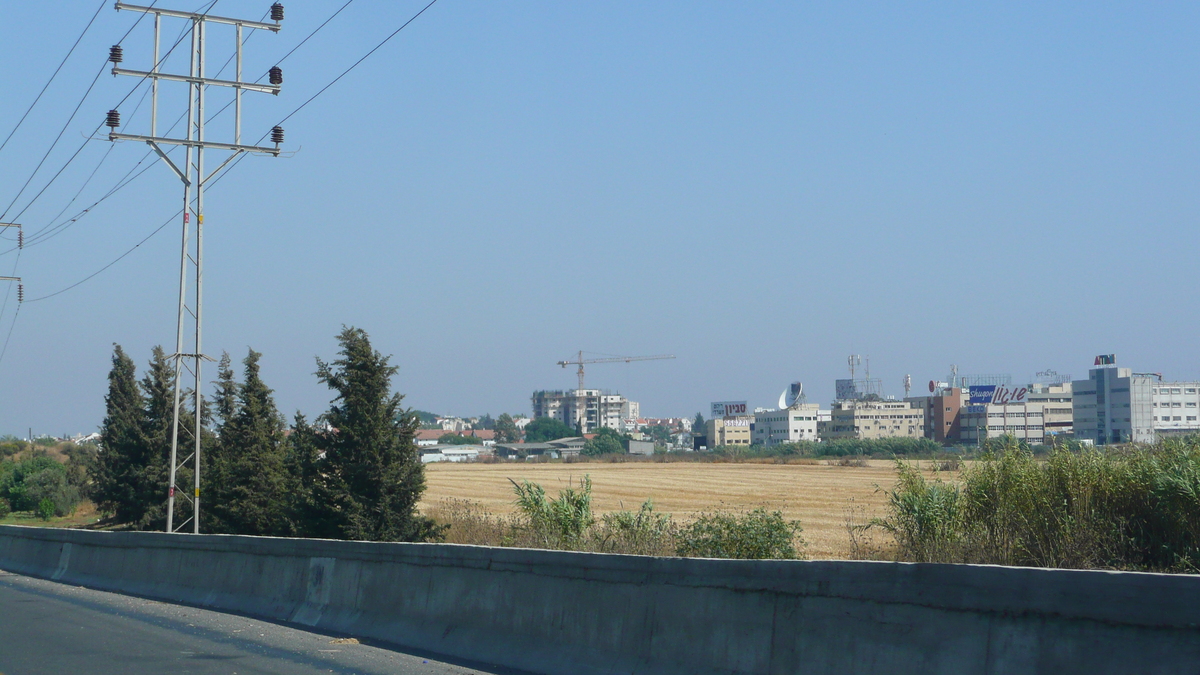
point(821, 496)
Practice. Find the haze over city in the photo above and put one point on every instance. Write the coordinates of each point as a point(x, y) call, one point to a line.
point(759, 190)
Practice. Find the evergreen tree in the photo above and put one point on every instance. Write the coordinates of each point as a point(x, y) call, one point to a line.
point(372, 476)
point(158, 384)
point(308, 490)
point(506, 429)
point(216, 475)
point(117, 473)
point(250, 493)
point(698, 424)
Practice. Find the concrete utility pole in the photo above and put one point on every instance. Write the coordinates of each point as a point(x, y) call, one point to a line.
point(194, 178)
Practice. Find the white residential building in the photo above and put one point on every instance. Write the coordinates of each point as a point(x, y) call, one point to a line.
point(587, 409)
point(798, 423)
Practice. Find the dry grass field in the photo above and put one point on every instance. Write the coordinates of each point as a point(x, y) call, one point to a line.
point(819, 495)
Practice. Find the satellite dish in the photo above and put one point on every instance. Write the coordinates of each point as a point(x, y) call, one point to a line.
point(792, 395)
point(932, 386)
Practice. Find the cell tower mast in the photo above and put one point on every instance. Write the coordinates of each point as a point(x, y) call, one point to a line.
point(194, 179)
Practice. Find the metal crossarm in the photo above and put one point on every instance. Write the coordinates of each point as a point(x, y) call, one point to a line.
point(191, 172)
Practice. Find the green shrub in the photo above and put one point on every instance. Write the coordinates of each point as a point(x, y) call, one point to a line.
point(757, 534)
point(29, 482)
point(643, 532)
point(45, 509)
point(561, 521)
point(1128, 508)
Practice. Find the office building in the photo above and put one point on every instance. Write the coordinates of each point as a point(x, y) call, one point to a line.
point(789, 425)
point(873, 419)
point(1174, 407)
point(1113, 405)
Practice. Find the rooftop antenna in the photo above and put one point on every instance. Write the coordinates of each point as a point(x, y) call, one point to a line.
point(854, 361)
point(907, 385)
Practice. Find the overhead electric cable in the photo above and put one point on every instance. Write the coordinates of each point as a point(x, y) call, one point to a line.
point(334, 81)
point(114, 262)
point(54, 74)
point(217, 179)
point(89, 138)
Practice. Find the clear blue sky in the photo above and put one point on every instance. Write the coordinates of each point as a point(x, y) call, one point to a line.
point(760, 188)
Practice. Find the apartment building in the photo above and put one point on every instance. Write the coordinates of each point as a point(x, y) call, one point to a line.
point(789, 425)
point(874, 419)
point(587, 409)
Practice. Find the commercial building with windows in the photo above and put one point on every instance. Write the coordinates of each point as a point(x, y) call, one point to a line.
point(728, 431)
point(942, 409)
point(586, 409)
point(1057, 414)
point(1113, 405)
point(874, 419)
point(798, 423)
point(1175, 407)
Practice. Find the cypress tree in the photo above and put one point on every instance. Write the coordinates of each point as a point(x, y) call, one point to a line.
point(254, 481)
point(372, 476)
point(159, 387)
point(216, 475)
point(117, 472)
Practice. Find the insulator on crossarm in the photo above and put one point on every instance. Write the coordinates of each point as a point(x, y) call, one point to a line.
point(20, 293)
point(114, 119)
point(277, 135)
point(277, 12)
point(116, 54)
point(20, 238)
point(275, 74)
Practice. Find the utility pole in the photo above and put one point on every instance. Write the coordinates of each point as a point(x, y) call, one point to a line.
point(194, 179)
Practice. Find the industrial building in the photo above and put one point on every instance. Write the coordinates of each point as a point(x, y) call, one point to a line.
point(586, 409)
point(1174, 407)
point(1032, 414)
point(789, 425)
point(873, 419)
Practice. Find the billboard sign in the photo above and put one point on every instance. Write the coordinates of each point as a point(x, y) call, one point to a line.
point(728, 409)
point(997, 394)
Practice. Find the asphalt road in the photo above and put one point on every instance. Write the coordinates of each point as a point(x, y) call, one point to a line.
point(52, 628)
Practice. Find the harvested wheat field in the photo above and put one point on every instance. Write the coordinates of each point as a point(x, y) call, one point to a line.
point(819, 495)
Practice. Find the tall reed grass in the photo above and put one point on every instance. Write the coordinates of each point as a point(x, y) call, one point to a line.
point(1133, 507)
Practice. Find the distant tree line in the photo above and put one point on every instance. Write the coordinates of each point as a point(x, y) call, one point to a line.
point(352, 473)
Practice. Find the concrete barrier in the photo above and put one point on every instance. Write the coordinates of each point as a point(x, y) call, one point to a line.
point(581, 613)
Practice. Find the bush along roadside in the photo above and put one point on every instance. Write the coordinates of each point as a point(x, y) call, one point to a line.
point(568, 523)
point(1133, 508)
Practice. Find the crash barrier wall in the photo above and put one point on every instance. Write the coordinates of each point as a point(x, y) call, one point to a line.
point(583, 613)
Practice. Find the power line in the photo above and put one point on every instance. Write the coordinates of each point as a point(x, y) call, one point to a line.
point(89, 138)
point(38, 236)
point(335, 80)
point(355, 64)
point(118, 259)
point(215, 179)
point(54, 74)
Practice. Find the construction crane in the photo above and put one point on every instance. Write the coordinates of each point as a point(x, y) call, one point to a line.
point(579, 361)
